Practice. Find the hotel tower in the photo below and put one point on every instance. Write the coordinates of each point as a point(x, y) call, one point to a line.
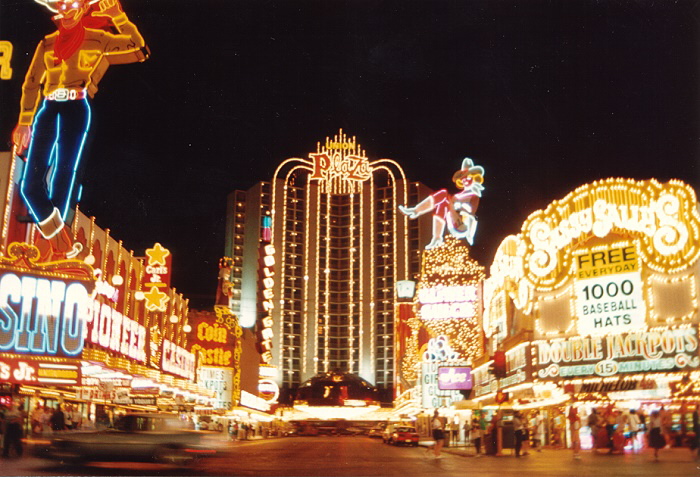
point(316, 253)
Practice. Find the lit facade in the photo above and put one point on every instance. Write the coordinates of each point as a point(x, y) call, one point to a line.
point(597, 298)
point(340, 245)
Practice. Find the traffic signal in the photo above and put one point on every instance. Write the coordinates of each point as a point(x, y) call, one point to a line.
point(498, 368)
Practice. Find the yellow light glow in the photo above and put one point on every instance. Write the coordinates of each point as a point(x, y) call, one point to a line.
point(451, 266)
point(155, 299)
point(157, 255)
point(662, 217)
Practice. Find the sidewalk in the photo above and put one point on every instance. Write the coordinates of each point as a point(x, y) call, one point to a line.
point(676, 462)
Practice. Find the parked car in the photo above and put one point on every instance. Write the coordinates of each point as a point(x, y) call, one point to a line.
point(137, 437)
point(396, 435)
point(376, 432)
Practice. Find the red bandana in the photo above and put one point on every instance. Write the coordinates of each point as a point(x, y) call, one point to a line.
point(70, 40)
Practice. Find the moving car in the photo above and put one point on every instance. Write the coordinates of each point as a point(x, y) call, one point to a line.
point(396, 435)
point(136, 437)
point(375, 432)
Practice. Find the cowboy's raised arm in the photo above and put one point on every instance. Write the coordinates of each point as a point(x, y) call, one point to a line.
point(129, 39)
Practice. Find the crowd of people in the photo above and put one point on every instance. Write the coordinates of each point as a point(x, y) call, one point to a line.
point(43, 420)
point(612, 430)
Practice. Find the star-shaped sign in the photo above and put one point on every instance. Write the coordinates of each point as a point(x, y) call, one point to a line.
point(157, 255)
point(156, 299)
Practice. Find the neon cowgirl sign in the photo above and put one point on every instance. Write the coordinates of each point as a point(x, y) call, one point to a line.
point(42, 315)
point(456, 212)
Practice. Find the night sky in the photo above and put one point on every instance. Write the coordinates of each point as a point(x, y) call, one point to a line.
point(545, 95)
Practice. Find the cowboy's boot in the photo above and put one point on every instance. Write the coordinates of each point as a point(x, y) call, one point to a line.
point(48, 229)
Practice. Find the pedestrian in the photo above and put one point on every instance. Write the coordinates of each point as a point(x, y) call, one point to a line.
point(518, 431)
point(476, 435)
point(575, 426)
point(77, 417)
point(46, 420)
point(592, 423)
point(655, 434)
point(68, 417)
point(526, 436)
point(438, 436)
point(633, 423)
point(665, 425)
point(539, 431)
point(610, 420)
point(494, 425)
point(13, 431)
point(58, 420)
point(35, 420)
point(618, 438)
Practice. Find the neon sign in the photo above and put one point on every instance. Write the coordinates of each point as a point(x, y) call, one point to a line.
point(55, 113)
point(663, 218)
point(37, 372)
point(157, 276)
point(438, 352)
point(5, 58)
point(340, 166)
point(446, 302)
point(212, 343)
point(177, 360)
point(454, 378)
point(329, 167)
point(456, 212)
point(612, 354)
point(106, 327)
point(266, 334)
point(41, 315)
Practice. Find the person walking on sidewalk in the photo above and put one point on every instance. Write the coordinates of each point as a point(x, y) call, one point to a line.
point(518, 428)
point(13, 431)
point(575, 426)
point(539, 431)
point(477, 432)
point(438, 436)
point(633, 423)
point(58, 420)
point(656, 437)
